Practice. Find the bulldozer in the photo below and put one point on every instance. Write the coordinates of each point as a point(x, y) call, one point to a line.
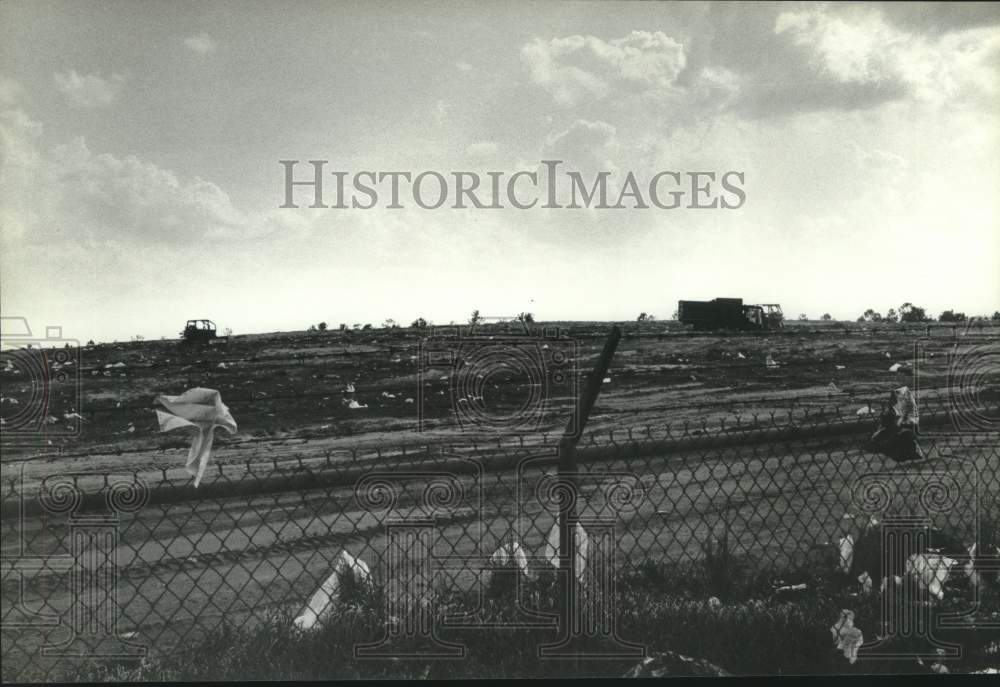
point(730, 313)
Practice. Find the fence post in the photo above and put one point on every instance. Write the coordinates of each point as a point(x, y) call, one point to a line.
point(567, 477)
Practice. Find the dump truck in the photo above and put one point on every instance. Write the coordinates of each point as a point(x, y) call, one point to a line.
point(730, 313)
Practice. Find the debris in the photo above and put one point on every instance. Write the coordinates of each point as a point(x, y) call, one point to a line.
point(770, 362)
point(510, 555)
point(840, 367)
point(669, 663)
point(931, 571)
point(74, 416)
point(222, 366)
point(714, 603)
point(833, 387)
point(607, 380)
point(865, 410)
point(792, 588)
point(354, 405)
point(847, 637)
point(409, 400)
point(740, 356)
point(866, 582)
point(131, 428)
point(895, 367)
point(897, 435)
point(582, 544)
point(202, 410)
point(386, 394)
point(349, 389)
point(846, 548)
point(349, 574)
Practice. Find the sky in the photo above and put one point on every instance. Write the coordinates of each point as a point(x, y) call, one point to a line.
point(140, 183)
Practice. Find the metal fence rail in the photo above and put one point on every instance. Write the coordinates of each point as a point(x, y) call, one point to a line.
point(170, 562)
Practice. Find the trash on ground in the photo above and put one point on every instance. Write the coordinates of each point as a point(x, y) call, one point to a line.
point(670, 663)
point(582, 542)
point(847, 637)
point(201, 410)
point(348, 572)
point(931, 571)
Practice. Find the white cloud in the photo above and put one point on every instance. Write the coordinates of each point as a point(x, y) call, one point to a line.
point(71, 192)
point(575, 68)
point(862, 48)
point(200, 43)
point(463, 66)
point(90, 90)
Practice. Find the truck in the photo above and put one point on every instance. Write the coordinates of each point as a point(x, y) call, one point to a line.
point(730, 313)
point(198, 333)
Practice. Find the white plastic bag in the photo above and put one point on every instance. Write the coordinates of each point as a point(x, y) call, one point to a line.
point(202, 410)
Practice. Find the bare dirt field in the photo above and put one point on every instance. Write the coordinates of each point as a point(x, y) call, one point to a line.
point(188, 558)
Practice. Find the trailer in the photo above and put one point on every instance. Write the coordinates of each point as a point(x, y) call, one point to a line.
point(730, 313)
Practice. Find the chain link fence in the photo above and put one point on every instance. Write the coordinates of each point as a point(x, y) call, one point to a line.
point(117, 565)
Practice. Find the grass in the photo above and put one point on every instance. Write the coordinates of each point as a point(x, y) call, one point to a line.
point(753, 630)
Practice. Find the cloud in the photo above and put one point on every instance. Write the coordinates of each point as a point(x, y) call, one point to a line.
point(862, 48)
point(71, 193)
point(200, 43)
point(91, 90)
point(463, 66)
point(576, 68)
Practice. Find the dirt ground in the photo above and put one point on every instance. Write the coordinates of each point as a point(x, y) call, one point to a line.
point(184, 566)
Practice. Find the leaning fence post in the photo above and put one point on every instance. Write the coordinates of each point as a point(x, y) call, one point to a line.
point(567, 477)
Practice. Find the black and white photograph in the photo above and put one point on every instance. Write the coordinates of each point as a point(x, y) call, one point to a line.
point(468, 340)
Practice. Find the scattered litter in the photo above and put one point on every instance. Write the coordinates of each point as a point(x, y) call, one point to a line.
point(386, 394)
point(354, 405)
point(510, 556)
point(847, 637)
point(866, 582)
point(51, 419)
point(792, 588)
point(665, 664)
point(347, 571)
point(887, 354)
point(846, 548)
point(931, 571)
point(349, 389)
point(865, 410)
point(131, 427)
point(582, 542)
point(714, 603)
point(741, 357)
point(770, 362)
point(840, 367)
point(832, 387)
point(202, 410)
point(73, 416)
point(607, 380)
point(894, 367)
point(410, 400)
point(222, 366)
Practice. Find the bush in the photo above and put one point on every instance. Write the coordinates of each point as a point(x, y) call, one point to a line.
point(826, 317)
point(952, 316)
point(419, 323)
